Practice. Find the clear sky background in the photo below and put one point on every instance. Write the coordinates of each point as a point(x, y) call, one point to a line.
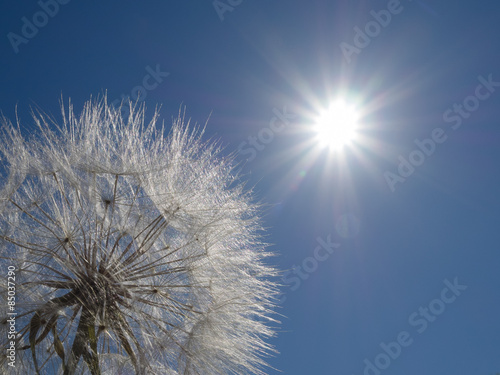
point(365, 262)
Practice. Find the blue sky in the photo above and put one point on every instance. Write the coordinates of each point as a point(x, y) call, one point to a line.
point(389, 246)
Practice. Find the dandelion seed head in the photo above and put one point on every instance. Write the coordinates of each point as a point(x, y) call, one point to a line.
point(136, 251)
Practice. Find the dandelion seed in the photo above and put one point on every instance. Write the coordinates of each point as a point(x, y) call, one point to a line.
point(134, 252)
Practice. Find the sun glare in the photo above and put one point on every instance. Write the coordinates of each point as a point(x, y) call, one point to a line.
point(336, 126)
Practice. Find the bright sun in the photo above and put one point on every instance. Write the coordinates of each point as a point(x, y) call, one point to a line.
point(336, 126)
